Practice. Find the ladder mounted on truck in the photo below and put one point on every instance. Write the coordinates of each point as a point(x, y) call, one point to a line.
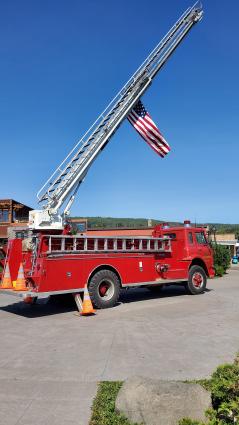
point(60, 245)
point(63, 184)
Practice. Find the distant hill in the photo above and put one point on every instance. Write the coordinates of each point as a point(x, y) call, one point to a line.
point(113, 222)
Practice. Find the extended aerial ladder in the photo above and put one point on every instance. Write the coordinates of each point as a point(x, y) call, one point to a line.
point(63, 184)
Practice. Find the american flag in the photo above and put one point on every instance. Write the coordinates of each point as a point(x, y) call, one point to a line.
point(144, 125)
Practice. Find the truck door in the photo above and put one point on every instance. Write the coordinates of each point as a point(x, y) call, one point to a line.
point(177, 269)
point(203, 248)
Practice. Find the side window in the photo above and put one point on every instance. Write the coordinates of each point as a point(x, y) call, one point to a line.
point(190, 238)
point(20, 235)
point(4, 216)
point(170, 235)
point(201, 238)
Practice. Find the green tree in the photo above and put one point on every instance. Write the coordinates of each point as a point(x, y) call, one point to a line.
point(222, 258)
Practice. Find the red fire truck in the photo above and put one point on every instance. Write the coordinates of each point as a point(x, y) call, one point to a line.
point(65, 263)
point(57, 262)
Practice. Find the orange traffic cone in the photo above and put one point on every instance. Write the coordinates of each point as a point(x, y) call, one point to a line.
point(20, 284)
point(87, 307)
point(6, 282)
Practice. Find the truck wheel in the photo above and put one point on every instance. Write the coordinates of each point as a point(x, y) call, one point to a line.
point(197, 280)
point(104, 289)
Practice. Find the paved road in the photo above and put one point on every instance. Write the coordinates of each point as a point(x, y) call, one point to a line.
point(51, 359)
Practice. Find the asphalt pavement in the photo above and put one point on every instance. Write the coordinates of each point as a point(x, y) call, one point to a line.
point(51, 359)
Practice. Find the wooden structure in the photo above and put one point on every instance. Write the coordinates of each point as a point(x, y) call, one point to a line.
point(12, 214)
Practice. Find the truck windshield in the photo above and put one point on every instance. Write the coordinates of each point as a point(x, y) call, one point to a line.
point(201, 238)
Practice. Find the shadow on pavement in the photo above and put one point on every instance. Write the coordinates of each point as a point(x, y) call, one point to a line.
point(61, 305)
point(141, 294)
point(43, 307)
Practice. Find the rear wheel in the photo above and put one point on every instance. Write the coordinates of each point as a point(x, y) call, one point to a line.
point(197, 280)
point(104, 289)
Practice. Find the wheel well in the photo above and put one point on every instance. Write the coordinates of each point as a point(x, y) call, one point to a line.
point(104, 267)
point(199, 262)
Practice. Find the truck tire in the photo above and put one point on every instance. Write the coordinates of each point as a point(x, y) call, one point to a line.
point(104, 289)
point(197, 280)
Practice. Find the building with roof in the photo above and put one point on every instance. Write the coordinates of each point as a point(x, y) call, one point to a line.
point(228, 240)
point(13, 214)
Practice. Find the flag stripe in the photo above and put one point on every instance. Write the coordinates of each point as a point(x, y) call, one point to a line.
point(150, 136)
point(146, 136)
point(148, 140)
point(150, 144)
point(144, 125)
point(157, 134)
point(155, 137)
point(147, 118)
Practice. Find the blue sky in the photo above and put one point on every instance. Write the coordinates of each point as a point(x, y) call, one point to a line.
point(63, 61)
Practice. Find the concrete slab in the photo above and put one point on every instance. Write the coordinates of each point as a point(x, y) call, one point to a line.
point(12, 411)
point(51, 359)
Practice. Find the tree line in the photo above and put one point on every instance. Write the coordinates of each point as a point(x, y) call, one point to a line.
point(113, 222)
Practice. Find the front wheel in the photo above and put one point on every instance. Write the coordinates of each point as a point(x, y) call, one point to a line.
point(104, 289)
point(197, 280)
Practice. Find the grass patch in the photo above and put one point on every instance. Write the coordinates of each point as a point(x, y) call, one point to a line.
point(103, 409)
point(224, 387)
